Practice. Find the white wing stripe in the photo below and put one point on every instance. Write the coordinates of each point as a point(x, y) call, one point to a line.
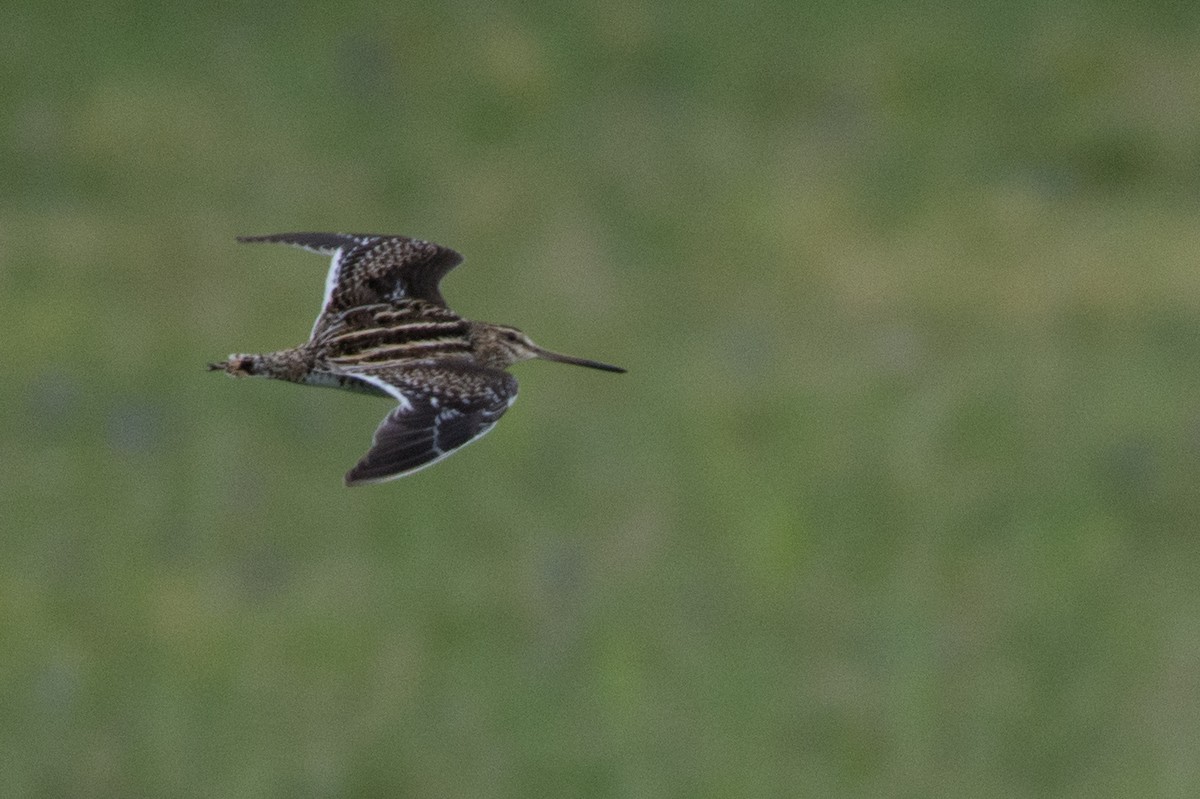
point(331, 279)
point(383, 385)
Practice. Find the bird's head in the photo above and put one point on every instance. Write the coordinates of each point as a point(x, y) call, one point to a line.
point(501, 346)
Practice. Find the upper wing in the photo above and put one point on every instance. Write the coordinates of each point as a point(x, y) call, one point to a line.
point(443, 406)
point(368, 268)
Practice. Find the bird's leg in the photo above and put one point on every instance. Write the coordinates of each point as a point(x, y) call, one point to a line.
point(237, 365)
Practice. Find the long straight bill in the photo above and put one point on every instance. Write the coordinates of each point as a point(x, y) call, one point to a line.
point(554, 356)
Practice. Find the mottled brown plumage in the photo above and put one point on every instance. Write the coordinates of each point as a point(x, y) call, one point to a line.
point(385, 329)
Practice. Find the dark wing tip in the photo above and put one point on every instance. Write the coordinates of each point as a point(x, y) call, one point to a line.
point(270, 237)
point(362, 475)
point(324, 243)
point(356, 477)
point(377, 467)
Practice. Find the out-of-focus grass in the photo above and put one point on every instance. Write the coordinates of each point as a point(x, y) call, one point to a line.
point(899, 496)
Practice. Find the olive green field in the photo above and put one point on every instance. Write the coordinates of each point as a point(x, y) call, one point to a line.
point(900, 496)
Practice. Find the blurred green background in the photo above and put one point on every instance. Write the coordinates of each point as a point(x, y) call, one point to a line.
point(898, 498)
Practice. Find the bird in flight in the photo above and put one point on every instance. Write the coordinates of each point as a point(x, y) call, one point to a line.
point(384, 329)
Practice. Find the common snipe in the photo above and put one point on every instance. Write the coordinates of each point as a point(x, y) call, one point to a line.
point(385, 329)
